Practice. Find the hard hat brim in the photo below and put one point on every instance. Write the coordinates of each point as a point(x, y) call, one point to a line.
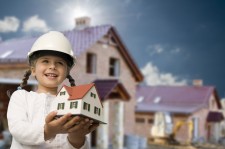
point(71, 60)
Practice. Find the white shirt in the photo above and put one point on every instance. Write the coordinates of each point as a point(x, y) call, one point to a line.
point(26, 119)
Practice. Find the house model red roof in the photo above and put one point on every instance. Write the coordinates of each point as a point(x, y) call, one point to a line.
point(78, 92)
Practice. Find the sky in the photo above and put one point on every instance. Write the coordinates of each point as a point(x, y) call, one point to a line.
point(173, 42)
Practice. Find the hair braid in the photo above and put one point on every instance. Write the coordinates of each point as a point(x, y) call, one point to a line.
point(22, 84)
point(71, 80)
point(25, 78)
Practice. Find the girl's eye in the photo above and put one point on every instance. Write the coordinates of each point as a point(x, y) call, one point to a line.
point(45, 61)
point(61, 63)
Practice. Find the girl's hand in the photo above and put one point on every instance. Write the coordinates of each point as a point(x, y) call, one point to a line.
point(77, 133)
point(56, 126)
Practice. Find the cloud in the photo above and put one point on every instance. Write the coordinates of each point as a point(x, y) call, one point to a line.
point(162, 49)
point(35, 24)
point(152, 76)
point(155, 49)
point(9, 24)
point(176, 50)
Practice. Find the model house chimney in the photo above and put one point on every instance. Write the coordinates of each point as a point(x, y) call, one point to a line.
point(197, 82)
point(82, 22)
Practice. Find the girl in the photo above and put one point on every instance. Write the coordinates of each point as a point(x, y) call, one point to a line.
point(31, 123)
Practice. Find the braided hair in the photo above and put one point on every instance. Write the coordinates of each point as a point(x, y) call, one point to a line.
point(71, 80)
point(25, 78)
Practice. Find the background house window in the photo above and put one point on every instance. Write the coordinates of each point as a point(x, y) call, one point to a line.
point(150, 121)
point(140, 120)
point(63, 93)
point(73, 105)
point(61, 106)
point(213, 104)
point(91, 63)
point(114, 67)
point(93, 95)
point(86, 106)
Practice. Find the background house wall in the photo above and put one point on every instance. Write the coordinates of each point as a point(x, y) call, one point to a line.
point(201, 115)
point(126, 77)
point(12, 73)
point(144, 123)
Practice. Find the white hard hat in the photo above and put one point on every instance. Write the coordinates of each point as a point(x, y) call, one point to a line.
point(53, 41)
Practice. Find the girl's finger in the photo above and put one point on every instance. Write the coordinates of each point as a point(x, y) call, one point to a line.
point(62, 120)
point(87, 123)
point(93, 127)
point(50, 116)
point(74, 121)
point(77, 126)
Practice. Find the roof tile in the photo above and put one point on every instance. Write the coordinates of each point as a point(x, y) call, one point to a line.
point(179, 99)
point(78, 92)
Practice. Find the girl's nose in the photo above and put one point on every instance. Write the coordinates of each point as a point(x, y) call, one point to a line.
point(52, 66)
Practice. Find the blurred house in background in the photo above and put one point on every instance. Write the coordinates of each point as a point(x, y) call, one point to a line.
point(197, 104)
point(103, 58)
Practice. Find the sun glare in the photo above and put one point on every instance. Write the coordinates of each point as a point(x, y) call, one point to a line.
point(85, 8)
point(80, 12)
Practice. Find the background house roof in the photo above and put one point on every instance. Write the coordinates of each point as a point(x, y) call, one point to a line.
point(108, 87)
point(214, 116)
point(81, 39)
point(176, 99)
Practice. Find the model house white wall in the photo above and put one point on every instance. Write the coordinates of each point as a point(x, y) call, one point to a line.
point(62, 104)
point(89, 105)
point(95, 110)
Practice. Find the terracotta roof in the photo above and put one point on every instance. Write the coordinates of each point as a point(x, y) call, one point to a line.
point(107, 87)
point(214, 116)
point(177, 99)
point(17, 49)
point(78, 92)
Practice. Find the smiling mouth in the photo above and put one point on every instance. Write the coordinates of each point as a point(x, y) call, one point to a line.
point(51, 75)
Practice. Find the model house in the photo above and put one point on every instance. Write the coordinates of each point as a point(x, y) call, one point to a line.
point(82, 100)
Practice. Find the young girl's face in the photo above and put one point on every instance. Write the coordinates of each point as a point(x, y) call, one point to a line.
point(50, 71)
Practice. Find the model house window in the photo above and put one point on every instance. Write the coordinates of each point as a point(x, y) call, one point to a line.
point(97, 110)
point(93, 95)
point(63, 93)
point(61, 106)
point(91, 63)
point(114, 68)
point(73, 105)
point(86, 106)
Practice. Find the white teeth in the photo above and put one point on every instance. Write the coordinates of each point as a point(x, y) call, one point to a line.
point(51, 75)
